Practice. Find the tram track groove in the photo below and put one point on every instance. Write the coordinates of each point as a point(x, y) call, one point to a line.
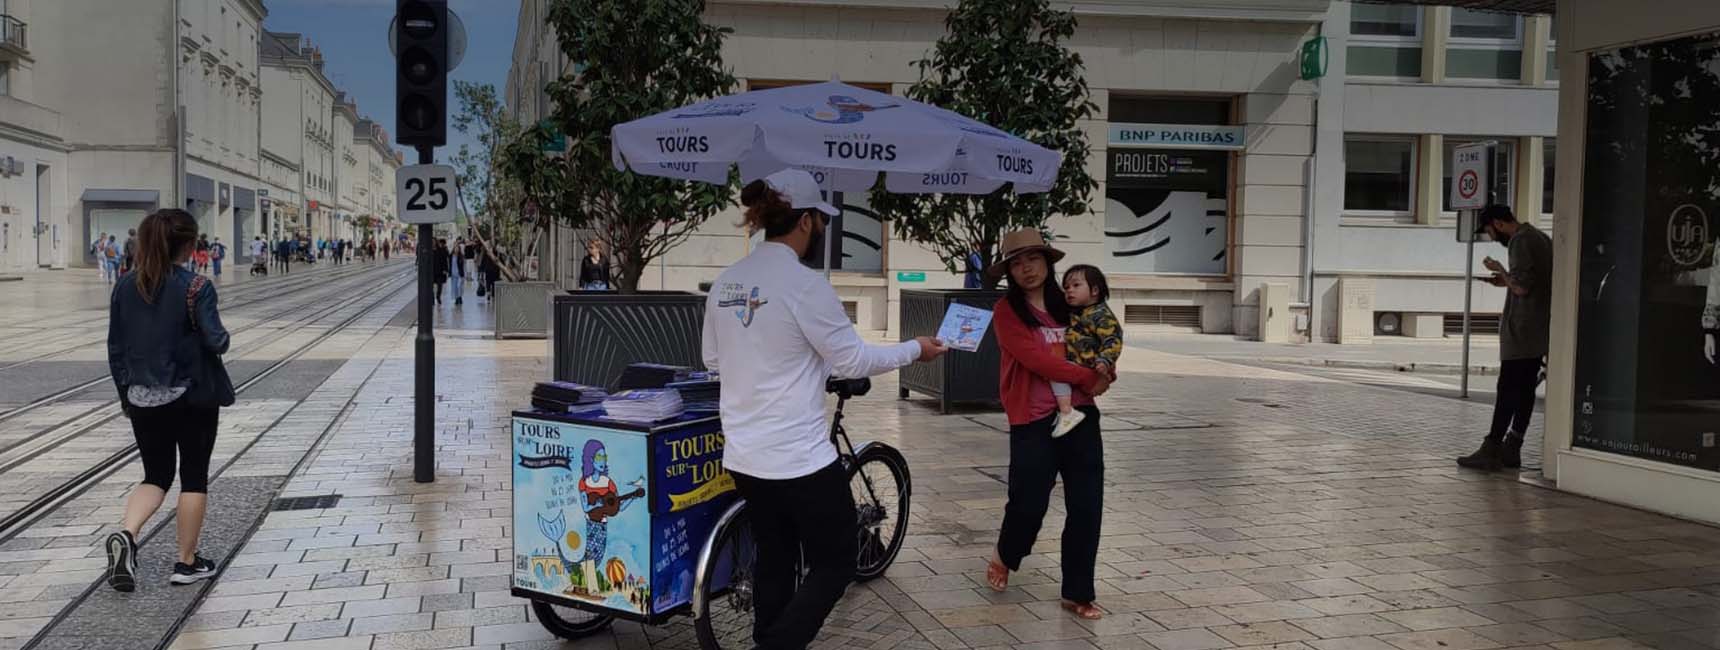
point(261, 321)
point(258, 293)
point(17, 521)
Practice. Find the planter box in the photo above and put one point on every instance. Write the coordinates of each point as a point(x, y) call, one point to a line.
point(598, 333)
point(958, 376)
point(522, 309)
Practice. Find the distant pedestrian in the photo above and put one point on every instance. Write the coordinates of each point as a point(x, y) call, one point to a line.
point(1030, 324)
point(975, 266)
point(439, 266)
point(202, 254)
point(165, 341)
point(457, 270)
point(98, 252)
point(491, 271)
point(129, 253)
point(1523, 334)
point(112, 250)
point(259, 256)
point(284, 255)
point(217, 254)
point(594, 267)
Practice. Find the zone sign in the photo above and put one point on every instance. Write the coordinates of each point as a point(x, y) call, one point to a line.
point(1469, 168)
point(426, 194)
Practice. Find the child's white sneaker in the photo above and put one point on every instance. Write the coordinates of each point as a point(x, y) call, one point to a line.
point(1067, 422)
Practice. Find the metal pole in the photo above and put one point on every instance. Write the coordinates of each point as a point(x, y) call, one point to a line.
point(1468, 304)
point(424, 392)
point(835, 199)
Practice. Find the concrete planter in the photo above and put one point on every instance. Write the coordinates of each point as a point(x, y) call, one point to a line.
point(958, 376)
point(522, 309)
point(598, 333)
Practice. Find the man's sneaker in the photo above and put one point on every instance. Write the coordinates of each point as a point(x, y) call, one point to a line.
point(1067, 422)
point(200, 569)
point(122, 561)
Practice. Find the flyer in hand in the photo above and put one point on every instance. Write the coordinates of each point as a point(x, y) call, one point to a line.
point(964, 327)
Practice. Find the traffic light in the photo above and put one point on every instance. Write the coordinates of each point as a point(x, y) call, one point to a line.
point(421, 72)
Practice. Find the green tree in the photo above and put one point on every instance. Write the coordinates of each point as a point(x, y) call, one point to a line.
point(493, 197)
point(1004, 63)
point(637, 58)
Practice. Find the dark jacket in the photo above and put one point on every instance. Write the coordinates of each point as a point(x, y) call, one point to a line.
point(154, 344)
point(439, 264)
point(590, 271)
point(456, 264)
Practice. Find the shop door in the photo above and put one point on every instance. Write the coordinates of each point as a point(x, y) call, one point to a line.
point(11, 242)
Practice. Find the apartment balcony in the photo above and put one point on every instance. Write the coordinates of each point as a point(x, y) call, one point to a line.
point(14, 39)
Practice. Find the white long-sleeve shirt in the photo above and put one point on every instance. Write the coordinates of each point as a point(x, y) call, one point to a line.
point(775, 330)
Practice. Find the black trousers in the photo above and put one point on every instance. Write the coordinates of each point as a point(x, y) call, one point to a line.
point(1515, 402)
point(1035, 462)
point(811, 517)
point(177, 426)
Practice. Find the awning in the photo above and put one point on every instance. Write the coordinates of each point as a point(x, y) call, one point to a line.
point(198, 188)
point(1504, 6)
point(244, 199)
point(151, 197)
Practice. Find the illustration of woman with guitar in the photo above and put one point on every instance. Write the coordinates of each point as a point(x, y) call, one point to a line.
point(602, 499)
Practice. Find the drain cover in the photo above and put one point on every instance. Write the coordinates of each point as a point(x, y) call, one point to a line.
point(319, 502)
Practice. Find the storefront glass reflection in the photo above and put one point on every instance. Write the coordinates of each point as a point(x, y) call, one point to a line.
point(1647, 381)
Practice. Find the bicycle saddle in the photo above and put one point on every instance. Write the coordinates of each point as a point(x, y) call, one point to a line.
point(846, 388)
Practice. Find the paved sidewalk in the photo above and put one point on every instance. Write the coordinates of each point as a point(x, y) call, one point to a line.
point(1244, 507)
point(1444, 356)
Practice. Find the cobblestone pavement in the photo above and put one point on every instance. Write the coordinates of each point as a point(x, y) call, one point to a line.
point(1245, 506)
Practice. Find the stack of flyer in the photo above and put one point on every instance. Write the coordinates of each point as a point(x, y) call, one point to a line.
point(702, 392)
point(644, 405)
point(566, 397)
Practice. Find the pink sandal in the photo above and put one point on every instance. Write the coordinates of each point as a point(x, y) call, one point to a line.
point(996, 575)
point(1086, 611)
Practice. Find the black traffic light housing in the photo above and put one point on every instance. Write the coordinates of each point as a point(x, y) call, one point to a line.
point(421, 72)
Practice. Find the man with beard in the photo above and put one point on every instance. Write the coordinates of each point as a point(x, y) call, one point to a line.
point(1523, 334)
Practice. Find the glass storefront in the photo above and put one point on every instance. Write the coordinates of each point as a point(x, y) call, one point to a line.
point(1167, 208)
point(1647, 374)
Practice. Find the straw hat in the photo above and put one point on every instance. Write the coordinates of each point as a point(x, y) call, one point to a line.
point(1018, 243)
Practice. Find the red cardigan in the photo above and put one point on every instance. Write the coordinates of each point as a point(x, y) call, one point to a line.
point(1025, 355)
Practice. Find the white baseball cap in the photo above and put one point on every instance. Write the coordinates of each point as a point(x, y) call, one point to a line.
point(800, 190)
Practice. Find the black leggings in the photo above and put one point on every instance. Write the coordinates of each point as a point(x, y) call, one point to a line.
point(161, 429)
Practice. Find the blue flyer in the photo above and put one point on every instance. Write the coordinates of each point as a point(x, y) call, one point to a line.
point(964, 327)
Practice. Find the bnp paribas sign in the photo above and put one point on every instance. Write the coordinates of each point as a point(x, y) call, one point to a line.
point(1177, 136)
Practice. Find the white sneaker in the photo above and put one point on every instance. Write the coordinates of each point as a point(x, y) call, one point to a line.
point(1067, 422)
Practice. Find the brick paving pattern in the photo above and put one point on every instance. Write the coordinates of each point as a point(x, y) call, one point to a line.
point(1244, 507)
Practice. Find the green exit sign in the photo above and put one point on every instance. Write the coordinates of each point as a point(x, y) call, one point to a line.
point(906, 276)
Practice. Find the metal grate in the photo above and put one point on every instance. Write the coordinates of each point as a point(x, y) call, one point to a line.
point(319, 502)
point(1178, 316)
point(1478, 324)
point(852, 309)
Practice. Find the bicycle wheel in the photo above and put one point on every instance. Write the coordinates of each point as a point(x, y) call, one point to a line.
point(881, 487)
point(723, 615)
point(569, 623)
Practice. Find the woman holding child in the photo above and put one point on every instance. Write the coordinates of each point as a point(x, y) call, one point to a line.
point(1032, 323)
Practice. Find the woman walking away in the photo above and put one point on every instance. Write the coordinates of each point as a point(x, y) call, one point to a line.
point(1030, 323)
point(457, 270)
point(165, 342)
point(594, 268)
point(439, 266)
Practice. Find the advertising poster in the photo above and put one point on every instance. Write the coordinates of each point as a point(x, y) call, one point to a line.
point(692, 491)
point(582, 530)
point(1647, 371)
point(1165, 210)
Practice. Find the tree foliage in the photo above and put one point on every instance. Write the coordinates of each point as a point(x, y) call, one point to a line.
point(1004, 63)
point(492, 195)
point(636, 58)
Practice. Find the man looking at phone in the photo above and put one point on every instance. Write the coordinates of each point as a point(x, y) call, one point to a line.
point(1523, 333)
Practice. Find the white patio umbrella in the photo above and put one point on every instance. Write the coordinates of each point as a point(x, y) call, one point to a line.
point(843, 135)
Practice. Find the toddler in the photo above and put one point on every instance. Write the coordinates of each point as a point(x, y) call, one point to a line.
point(1094, 338)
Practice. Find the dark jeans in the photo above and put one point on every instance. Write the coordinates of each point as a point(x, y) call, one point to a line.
point(162, 429)
point(1515, 402)
point(1035, 461)
point(812, 516)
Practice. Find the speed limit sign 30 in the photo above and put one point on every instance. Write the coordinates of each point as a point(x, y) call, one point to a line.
point(1469, 168)
point(426, 194)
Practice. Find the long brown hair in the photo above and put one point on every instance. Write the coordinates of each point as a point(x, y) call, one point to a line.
point(768, 211)
point(164, 234)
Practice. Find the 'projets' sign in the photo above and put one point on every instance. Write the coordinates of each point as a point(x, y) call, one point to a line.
point(1177, 136)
